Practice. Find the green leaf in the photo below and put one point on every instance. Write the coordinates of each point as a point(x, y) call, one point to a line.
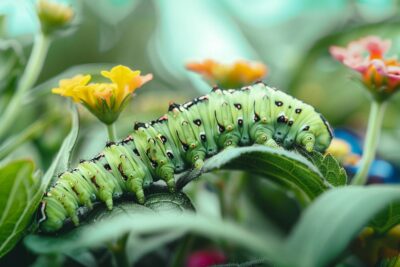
point(284, 167)
point(386, 219)
point(328, 226)
point(329, 168)
point(63, 159)
point(20, 192)
point(12, 59)
point(139, 247)
point(18, 201)
point(138, 220)
point(169, 202)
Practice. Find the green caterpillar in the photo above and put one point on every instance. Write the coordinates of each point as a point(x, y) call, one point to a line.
point(182, 139)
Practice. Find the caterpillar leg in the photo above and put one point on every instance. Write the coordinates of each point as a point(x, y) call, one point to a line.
point(134, 178)
point(307, 140)
point(101, 184)
point(52, 214)
point(166, 173)
point(271, 143)
point(198, 160)
point(79, 186)
point(67, 200)
point(264, 137)
point(309, 145)
point(164, 168)
point(196, 156)
point(230, 143)
point(135, 184)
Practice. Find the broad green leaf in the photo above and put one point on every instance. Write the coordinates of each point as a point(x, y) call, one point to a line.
point(138, 220)
point(279, 165)
point(329, 168)
point(328, 226)
point(90, 236)
point(20, 192)
point(18, 201)
point(168, 202)
point(157, 202)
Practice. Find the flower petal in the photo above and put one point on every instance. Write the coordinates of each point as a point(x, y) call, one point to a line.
point(122, 76)
point(67, 86)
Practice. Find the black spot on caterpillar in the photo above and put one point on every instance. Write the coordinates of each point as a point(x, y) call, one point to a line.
point(183, 139)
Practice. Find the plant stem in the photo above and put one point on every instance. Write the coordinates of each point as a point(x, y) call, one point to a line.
point(29, 77)
point(182, 251)
point(371, 141)
point(119, 251)
point(112, 132)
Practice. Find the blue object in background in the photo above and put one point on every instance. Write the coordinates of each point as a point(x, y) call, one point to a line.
point(381, 171)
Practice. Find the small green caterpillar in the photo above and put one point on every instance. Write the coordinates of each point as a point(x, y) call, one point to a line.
point(182, 139)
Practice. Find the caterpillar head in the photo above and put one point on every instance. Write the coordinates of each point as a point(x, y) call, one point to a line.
point(325, 137)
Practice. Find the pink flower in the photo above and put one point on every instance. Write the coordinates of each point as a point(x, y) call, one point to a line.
point(205, 258)
point(367, 56)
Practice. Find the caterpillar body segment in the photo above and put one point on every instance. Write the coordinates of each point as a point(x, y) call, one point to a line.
point(182, 139)
point(171, 148)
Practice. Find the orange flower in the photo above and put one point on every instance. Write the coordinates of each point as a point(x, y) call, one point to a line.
point(104, 100)
point(380, 75)
point(229, 76)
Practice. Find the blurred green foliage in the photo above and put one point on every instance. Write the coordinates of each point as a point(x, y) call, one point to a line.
point(292, 37)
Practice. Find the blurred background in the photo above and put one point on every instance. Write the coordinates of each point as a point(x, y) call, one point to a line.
point(291, 37)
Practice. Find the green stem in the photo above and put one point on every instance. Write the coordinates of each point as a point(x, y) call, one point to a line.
point(28, 79)
point(182, 251)
point(371, 142)
point(112, 132)
point(119, 251)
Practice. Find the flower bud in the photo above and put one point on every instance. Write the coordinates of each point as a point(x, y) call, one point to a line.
point(53, 16)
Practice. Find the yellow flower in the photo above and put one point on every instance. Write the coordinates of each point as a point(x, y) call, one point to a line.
point(228, 76)
point(339, 148)
point(53, 16)
point(104, 100)
point(126, 80)
point(67, 86)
